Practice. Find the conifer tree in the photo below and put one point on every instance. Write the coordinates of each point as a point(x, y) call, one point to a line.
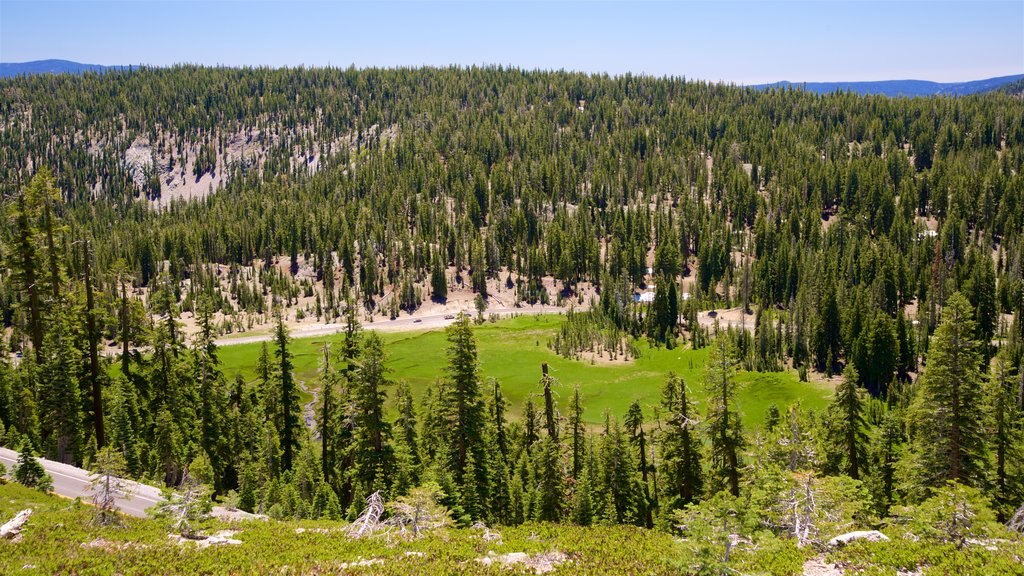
point(847, 428)
point(289, 395)
point(683, 479)
point(827, 338)
point(947, 414)
point(578, 434)
point(60, 396)
point(29, 472)
point(407, 449)
point(1007, 437)
point(465, 413)
point(326, 418)
point(638, 438)
point(371, 450)
point(212, 397)
point(722, 423)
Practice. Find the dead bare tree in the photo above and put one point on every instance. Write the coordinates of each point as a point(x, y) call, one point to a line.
point(108, 485)
point(187, 505)
point(1017, 522)
point(369, 521)
point(13, 527)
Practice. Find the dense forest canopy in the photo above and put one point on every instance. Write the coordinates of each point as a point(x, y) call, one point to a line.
point(876, 238)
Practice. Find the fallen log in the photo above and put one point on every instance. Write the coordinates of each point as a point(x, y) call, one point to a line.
point(13, 527)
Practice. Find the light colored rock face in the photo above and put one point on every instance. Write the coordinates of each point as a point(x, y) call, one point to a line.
point(172, 158)
point(138, 160)
point(869, 535)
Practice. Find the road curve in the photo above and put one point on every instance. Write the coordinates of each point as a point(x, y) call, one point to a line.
point(72, 482)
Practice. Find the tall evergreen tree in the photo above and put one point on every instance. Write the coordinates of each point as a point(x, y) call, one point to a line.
point(288, 393)
point(372, 453)
point(722, 423)
point(947, 415)
point(682, 477)
point(847, 429)
point(60, 397)
point(465, 410)
point(1007, 437)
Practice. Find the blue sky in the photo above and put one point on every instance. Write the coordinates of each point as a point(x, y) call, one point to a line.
point(742, 42)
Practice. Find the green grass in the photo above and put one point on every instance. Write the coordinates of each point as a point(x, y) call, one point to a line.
point(513, 350)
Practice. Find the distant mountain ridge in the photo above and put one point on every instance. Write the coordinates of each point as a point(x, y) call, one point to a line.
point(9, 69)
point(901, 87)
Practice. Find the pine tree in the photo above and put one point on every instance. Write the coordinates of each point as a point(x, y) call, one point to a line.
point(212, 397)
point(619, 487)
point(583, 504)
point(29, 472)
point(827, 339)
point(326, 421)
point(550, 480)
point(682, 476)
point(884, 453)
point(371, 450)
point(92, 336)
point(638, 438)
point(550, 419)
point(60, 395)
point(578, 432)
point(1007, 437)
point(846, 425)
point(438, 281)
point(407, 450)
point(465, 410)
point(289, 403)
point(108, 485)
point(723, 422)
point(947, 415)
point(500, 504)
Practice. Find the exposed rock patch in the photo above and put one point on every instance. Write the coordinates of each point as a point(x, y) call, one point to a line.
point(224, 537)
point(868, 535)
point(537, 563)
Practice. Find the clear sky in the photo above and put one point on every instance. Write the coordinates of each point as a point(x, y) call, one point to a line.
point(741, 42)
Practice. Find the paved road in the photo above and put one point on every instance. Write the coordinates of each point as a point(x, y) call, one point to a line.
point(73, 482)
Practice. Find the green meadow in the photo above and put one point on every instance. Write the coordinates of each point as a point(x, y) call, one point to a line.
point(513, 350)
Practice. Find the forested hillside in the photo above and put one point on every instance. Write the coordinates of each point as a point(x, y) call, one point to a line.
point(875, 243)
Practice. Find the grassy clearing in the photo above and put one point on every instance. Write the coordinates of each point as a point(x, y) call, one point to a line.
point(512, 351)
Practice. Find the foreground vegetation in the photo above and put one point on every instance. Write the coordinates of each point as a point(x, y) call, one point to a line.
point(61, 537)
